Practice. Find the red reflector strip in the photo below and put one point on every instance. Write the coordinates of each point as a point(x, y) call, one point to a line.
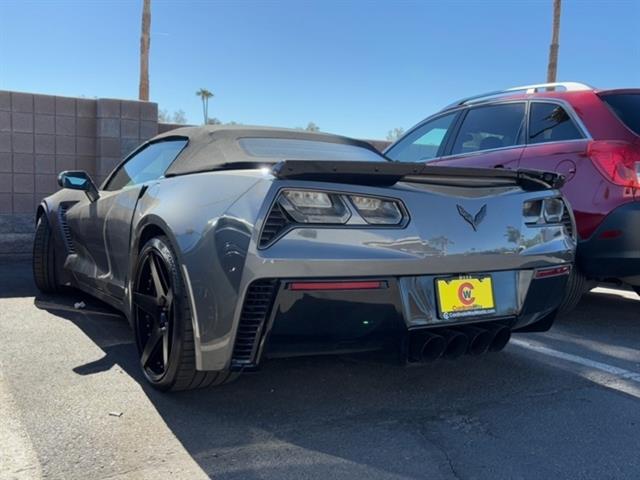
point(552, 272)
point(609, 234)
point(364, 285)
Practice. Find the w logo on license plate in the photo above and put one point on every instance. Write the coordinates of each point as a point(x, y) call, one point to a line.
point(465, 293)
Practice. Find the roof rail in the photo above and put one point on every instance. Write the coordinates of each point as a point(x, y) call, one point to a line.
point(565, 86)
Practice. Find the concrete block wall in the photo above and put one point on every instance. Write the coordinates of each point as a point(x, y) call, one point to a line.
point(121, 125)
point(41, 135)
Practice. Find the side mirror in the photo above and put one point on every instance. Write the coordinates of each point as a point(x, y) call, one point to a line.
point(79, 180)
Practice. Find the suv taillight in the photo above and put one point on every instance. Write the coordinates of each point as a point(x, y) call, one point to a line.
point(619, 162)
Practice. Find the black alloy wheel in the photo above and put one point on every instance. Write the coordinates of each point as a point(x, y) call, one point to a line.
point(163, 325)
point(153, 299)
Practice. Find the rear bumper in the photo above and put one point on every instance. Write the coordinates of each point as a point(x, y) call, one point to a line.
point(278, 319)
point(613, 251)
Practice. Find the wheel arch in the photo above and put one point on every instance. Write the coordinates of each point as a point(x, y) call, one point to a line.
point(150, 227)
point(41, 210)
point(146, 229)
point(148, 232)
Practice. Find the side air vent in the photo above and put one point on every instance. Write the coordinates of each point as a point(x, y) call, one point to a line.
point(566, 221)
point(255, 313)
point(276, 223)
point(68, 240)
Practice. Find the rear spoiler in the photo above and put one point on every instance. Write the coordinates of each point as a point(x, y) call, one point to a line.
point(390, 173)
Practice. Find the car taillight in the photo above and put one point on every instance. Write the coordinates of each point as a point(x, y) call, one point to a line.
point(544, 211)
point(315, 207)
point(306, 206)
point(377, 211)
point(619, 162)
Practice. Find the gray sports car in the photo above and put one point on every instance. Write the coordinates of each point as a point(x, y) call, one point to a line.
point(227, 245)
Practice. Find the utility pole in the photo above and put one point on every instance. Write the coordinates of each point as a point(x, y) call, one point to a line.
point(552, 69)
point(145, 44)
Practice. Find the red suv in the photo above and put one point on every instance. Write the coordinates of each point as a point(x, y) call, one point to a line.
point(590, 136)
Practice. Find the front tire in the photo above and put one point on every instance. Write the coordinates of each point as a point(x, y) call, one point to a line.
point(43, 259)
point(163, 324)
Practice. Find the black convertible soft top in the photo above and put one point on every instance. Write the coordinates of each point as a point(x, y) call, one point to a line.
point(213, 147)
point(216, 147)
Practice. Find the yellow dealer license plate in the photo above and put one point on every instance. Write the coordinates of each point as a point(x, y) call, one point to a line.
point(465, 297)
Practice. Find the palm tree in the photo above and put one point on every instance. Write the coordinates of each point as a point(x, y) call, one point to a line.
point(145, 44)
point(552, 69)
point(205, 95)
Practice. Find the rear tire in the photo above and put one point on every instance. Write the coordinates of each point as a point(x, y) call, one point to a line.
point(44, 270)
point(173, 369)
point(576, 287)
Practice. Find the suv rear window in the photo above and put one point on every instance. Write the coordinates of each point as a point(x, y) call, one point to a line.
point(296, 149)
point(627, 107)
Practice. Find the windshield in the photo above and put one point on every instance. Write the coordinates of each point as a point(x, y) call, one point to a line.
point(297, 149)
point(627, 107)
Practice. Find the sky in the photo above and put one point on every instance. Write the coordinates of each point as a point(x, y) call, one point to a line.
point(357, 68)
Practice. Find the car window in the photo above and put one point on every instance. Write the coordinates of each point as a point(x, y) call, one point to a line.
point(549, 122)
point(148, 164)
point(424, 142)
point(489, 127)
point(627, 107)
point(299, 149)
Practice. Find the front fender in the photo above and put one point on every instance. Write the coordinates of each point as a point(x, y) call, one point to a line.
point(49, 207)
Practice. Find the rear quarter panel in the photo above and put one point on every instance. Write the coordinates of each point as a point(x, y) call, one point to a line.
point(209, 222)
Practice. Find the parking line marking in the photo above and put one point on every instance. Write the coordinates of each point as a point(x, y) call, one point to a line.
point(621, 373)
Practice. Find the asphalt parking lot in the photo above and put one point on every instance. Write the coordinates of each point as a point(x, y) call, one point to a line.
point(73, 405)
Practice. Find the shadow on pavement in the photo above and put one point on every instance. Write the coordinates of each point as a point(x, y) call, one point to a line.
point(16, 278)
point(604, 327)
point(353, 415)
point(616, 309)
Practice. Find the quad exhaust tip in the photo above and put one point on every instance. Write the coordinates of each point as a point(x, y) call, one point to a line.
point(501, 337)
point(479, 339)
point(457, 343)
point(452, 343)
point(426, 347)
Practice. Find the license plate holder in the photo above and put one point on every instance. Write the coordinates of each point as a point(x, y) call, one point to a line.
point(465, 297)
